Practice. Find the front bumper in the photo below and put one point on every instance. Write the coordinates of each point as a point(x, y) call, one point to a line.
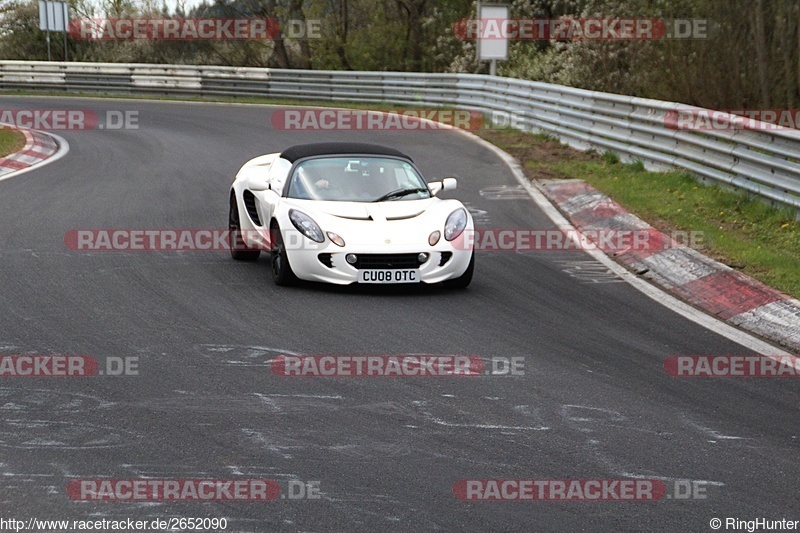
point(444, 263)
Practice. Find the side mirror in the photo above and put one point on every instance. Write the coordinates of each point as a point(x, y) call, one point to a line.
point(258, 185)
point(447, 184)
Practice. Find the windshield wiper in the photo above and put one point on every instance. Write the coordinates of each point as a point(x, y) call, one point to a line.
point(399, 193)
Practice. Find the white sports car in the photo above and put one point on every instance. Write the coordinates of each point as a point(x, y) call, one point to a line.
point(349, 213)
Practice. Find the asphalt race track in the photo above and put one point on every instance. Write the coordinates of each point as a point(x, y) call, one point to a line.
point(594, 402)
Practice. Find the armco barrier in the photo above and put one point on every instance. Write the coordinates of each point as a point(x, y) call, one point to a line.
point(763, 162)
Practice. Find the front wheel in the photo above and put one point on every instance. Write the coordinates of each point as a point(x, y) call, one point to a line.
point(282, 273)
point(463, 281)
point(239, 250)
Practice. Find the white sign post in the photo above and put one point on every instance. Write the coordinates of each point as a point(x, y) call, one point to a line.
point(495, 47)
point(54, 16)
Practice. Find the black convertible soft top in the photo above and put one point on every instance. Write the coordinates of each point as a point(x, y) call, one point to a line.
point(301, 151)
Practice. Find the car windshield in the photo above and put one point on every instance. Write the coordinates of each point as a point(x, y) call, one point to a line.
point(357, 179)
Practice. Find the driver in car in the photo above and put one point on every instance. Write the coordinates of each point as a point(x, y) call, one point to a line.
point(332, 186)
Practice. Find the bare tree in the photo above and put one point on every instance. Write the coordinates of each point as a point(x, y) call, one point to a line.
point(762, 62)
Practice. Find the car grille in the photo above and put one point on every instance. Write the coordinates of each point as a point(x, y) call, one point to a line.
point(326, 259)
point(445, 258)
point(250, 204)
point(387, 261)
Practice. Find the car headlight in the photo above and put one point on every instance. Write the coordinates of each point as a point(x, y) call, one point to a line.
point(434, 237)
point(455, 224)
point(306, 225)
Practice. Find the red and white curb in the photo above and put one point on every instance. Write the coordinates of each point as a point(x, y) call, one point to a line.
point(709, 285)
point(40, 148)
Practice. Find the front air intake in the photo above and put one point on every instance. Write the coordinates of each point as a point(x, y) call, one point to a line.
point(387, 261)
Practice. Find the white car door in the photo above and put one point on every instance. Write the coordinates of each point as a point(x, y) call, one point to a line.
point(277, 175)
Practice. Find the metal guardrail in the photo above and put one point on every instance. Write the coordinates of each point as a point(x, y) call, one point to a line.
point(763, 162)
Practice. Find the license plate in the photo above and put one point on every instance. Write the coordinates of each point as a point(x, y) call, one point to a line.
point(388, 276)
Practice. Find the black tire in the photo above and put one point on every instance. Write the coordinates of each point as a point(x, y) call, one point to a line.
point(239, 250)
point(463, 281)
point(282, 273)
